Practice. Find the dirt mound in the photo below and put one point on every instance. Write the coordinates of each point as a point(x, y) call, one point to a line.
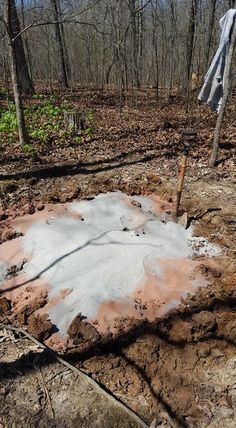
point(5, 309)
point(198, 327)
point(39, 326)
point(23, 315)
point(5, 305)
point(8, 234)
point(81, 331)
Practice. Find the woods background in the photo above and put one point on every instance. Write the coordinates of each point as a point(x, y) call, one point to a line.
point(124, 43)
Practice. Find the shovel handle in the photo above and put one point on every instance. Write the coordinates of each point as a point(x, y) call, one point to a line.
point(182, 170)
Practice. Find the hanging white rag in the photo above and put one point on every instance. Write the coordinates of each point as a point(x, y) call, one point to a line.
point(213, 88)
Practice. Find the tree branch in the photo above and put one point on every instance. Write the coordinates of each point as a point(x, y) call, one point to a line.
point(143, 7)
point(36, 23)
point(89, 24)
point(33, 24)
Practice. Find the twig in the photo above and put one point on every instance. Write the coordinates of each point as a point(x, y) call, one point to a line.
point(47, 393)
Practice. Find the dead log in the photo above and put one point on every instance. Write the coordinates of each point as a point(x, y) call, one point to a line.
point(75, 121)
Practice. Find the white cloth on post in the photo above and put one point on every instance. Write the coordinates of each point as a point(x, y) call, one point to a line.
point(213, 88)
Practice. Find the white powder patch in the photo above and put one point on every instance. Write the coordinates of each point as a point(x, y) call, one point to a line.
point(3, 271)
point(102, 257)
point(202, 247)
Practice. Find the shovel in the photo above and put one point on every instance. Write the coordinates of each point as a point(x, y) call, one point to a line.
point(188, 138)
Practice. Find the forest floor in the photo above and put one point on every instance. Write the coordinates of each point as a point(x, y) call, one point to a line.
point(180, 370)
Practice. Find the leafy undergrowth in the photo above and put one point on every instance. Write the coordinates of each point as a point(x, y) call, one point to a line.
point(45, 124)
point(8, 122)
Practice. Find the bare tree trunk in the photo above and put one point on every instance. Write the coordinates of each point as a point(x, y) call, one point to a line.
point(140, 26)
point(190, 43)
point(172, 47)
point(156, 54)
point(108, 72)
point(6, 70)
point(227, 86)
point(26, 40)
point(156, 66)
point(62, 29)
point(61, 52)
point(104, 49)
point(23, 72)
point(135, 43)
point(210, 31)
point(14, 74)
point(116, 15)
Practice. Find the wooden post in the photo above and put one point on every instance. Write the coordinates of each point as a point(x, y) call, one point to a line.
point(227, 86)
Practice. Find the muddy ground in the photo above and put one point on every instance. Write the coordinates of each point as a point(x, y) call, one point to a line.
point(185, 364)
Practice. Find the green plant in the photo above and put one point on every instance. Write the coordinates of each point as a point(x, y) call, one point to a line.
point(38, 97)
point(2, 90)
point(8, 121)
point(54, 97)
point(78, 140)
point(45, 130)
point(39, 133)
point(29, 148)
point(89, 132)
point(90, 116)
point(49, 109)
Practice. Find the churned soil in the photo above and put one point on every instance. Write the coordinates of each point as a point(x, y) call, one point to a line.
point(179, 370)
